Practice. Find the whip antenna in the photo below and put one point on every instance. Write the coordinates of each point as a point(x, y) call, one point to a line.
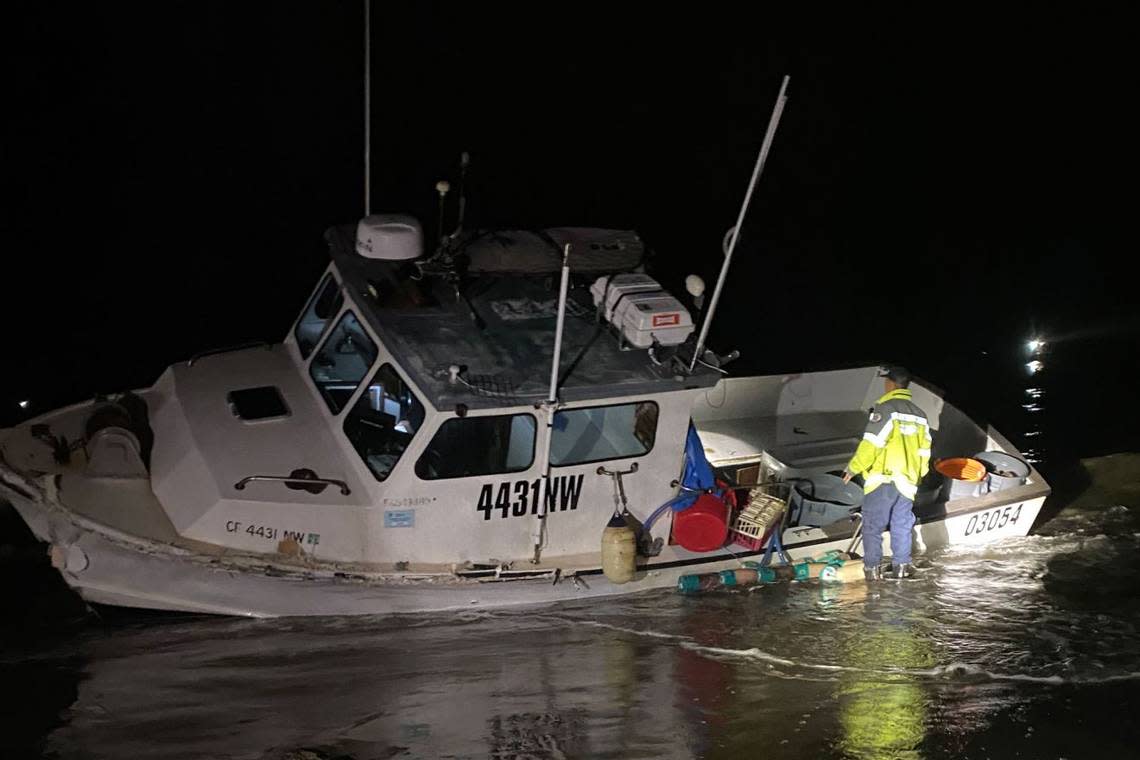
point(735, 231)
point(367, 107)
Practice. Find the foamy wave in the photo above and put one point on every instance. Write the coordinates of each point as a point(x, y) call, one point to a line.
point(950, 671)
point(751, 654)
point(612, 627)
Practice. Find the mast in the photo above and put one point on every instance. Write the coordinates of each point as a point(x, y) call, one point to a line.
point(367, 107)
point(773, 122)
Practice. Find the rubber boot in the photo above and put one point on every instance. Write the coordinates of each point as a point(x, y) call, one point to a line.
point(873, 573)
point(902, 571)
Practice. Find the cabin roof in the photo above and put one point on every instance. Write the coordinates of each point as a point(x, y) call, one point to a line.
point(501, 333)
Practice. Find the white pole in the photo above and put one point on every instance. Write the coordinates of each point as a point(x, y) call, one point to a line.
point(367, 107)
point(764, 148)
point(551, 406)
point(563, 290)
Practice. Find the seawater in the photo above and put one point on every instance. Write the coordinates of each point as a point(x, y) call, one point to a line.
point(1026, 648)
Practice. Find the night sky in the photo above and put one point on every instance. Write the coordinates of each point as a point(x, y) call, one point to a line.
point(940, 186)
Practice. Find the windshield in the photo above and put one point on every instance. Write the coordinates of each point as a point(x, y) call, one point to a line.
point(322, 306)
point(383, 421)
point(342, 362)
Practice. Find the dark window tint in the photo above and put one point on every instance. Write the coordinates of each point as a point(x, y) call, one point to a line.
point(259, 403)
point(322, 307)
point(466, 446)
point(342, 361)
point(598, 433)
point(383, 421)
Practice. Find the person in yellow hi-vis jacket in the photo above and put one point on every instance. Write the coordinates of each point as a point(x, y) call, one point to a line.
point(893, 457)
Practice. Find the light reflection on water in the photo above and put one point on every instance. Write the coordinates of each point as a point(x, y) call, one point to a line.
point(977, 657)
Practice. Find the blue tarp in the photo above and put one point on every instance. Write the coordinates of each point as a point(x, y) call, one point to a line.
point(698, 474)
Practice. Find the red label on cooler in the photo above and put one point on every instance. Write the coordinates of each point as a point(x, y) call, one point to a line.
point(666, 320)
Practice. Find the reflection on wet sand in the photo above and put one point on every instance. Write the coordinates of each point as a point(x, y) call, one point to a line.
point(882, 705)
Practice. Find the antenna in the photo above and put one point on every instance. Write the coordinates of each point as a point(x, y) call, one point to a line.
point(443, 187)
point(773, 122)
point(464, 162)
point(367, 107)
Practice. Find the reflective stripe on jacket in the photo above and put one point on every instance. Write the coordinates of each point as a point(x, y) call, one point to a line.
point(895, 446)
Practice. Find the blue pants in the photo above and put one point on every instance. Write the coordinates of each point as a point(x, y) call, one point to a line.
point(882, 507)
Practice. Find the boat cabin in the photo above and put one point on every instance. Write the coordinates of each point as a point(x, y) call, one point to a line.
point(401, 420)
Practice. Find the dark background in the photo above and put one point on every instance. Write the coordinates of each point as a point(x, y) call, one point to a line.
point(942, 187)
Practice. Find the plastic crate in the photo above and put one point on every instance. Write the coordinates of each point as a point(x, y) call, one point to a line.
point(762, 512)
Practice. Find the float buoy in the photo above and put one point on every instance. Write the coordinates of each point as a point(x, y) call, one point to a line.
point(619, 550)
point(832, 568)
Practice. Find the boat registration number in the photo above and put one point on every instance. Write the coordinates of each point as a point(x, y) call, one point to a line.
point(522, 497)
point(272, 534)
point(993, 519)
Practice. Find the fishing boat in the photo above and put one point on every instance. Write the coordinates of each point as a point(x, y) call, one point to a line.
point(456, 429)
point(398, 451)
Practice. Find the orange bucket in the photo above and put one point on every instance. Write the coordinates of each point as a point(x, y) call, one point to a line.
point(961, 468)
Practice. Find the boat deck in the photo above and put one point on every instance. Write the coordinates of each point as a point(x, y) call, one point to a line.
point(810, 441)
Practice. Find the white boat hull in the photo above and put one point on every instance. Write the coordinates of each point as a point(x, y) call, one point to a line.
point(119, 570)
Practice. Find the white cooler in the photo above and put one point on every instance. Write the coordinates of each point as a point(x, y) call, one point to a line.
point(641, 311)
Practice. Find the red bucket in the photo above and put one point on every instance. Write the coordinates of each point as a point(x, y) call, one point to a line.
point(702, 527)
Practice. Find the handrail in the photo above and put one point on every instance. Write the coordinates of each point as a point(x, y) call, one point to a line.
point(242, 347)
point(290, 480)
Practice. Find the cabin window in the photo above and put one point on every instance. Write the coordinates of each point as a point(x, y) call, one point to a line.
point(342, 362)
point(383, 421)
point(322, 307)
point(598, 433)
point(467, 446)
